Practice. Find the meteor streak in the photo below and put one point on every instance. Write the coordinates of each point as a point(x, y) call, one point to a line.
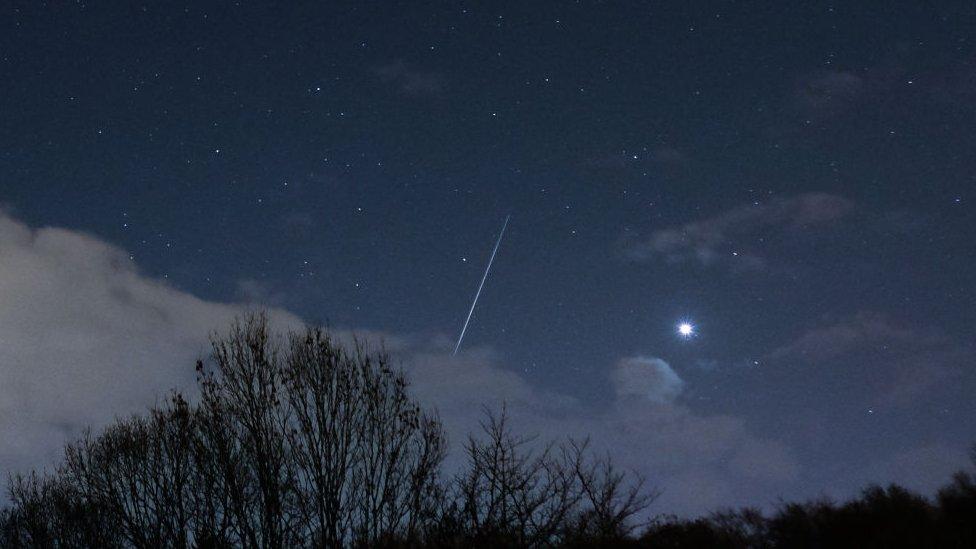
point(480, 286)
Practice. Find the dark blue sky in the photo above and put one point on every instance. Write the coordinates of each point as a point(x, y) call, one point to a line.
point(795, 178)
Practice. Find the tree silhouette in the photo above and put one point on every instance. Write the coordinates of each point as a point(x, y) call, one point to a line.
point(294, 442)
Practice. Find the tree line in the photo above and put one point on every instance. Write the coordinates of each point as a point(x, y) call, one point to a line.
point(297, 440)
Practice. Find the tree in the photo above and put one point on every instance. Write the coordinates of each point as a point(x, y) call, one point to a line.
point(306, 443)
point(297, 440)
point(511, 494)
point(366, 457)
point(294, 442)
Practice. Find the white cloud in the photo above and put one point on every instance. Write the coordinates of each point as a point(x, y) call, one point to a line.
point(84, 337)
point(647, 378)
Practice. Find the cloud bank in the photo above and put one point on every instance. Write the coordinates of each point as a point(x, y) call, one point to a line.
point(85, 337)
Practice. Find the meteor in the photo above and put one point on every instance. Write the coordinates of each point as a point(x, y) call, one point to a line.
point(480, 286)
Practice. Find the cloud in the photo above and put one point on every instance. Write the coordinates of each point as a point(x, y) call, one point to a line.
point(838, 100)
point(647, 378)
point(410, 80)
point(829, 93)
point(254, 291)
point(858, 331)
point(890, 363)
point(700, 462)
point(85, 337)
point(728, 238)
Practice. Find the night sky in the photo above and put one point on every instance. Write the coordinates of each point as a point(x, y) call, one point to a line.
point(794, 180)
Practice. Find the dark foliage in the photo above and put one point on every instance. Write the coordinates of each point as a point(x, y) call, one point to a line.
point(880, 517)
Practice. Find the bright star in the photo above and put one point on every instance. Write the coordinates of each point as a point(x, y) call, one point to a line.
point(686, 329)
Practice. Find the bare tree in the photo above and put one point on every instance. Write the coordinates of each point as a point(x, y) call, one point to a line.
point(611, 498)
point(138, 473)
point(512, 494)
point(303, 442)
point(244, 454)
point(299, 441)
point(48, 511)
point(366, 457)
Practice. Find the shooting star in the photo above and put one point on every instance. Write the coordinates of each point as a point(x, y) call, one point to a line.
point(480, 286)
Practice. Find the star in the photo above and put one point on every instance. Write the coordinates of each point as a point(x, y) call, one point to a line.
point(686, 329)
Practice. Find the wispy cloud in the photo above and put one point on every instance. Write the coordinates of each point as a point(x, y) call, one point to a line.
point(829, 93)
point(892, 363)
point(864, 329)
point(731, 236)
point(410, 80)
